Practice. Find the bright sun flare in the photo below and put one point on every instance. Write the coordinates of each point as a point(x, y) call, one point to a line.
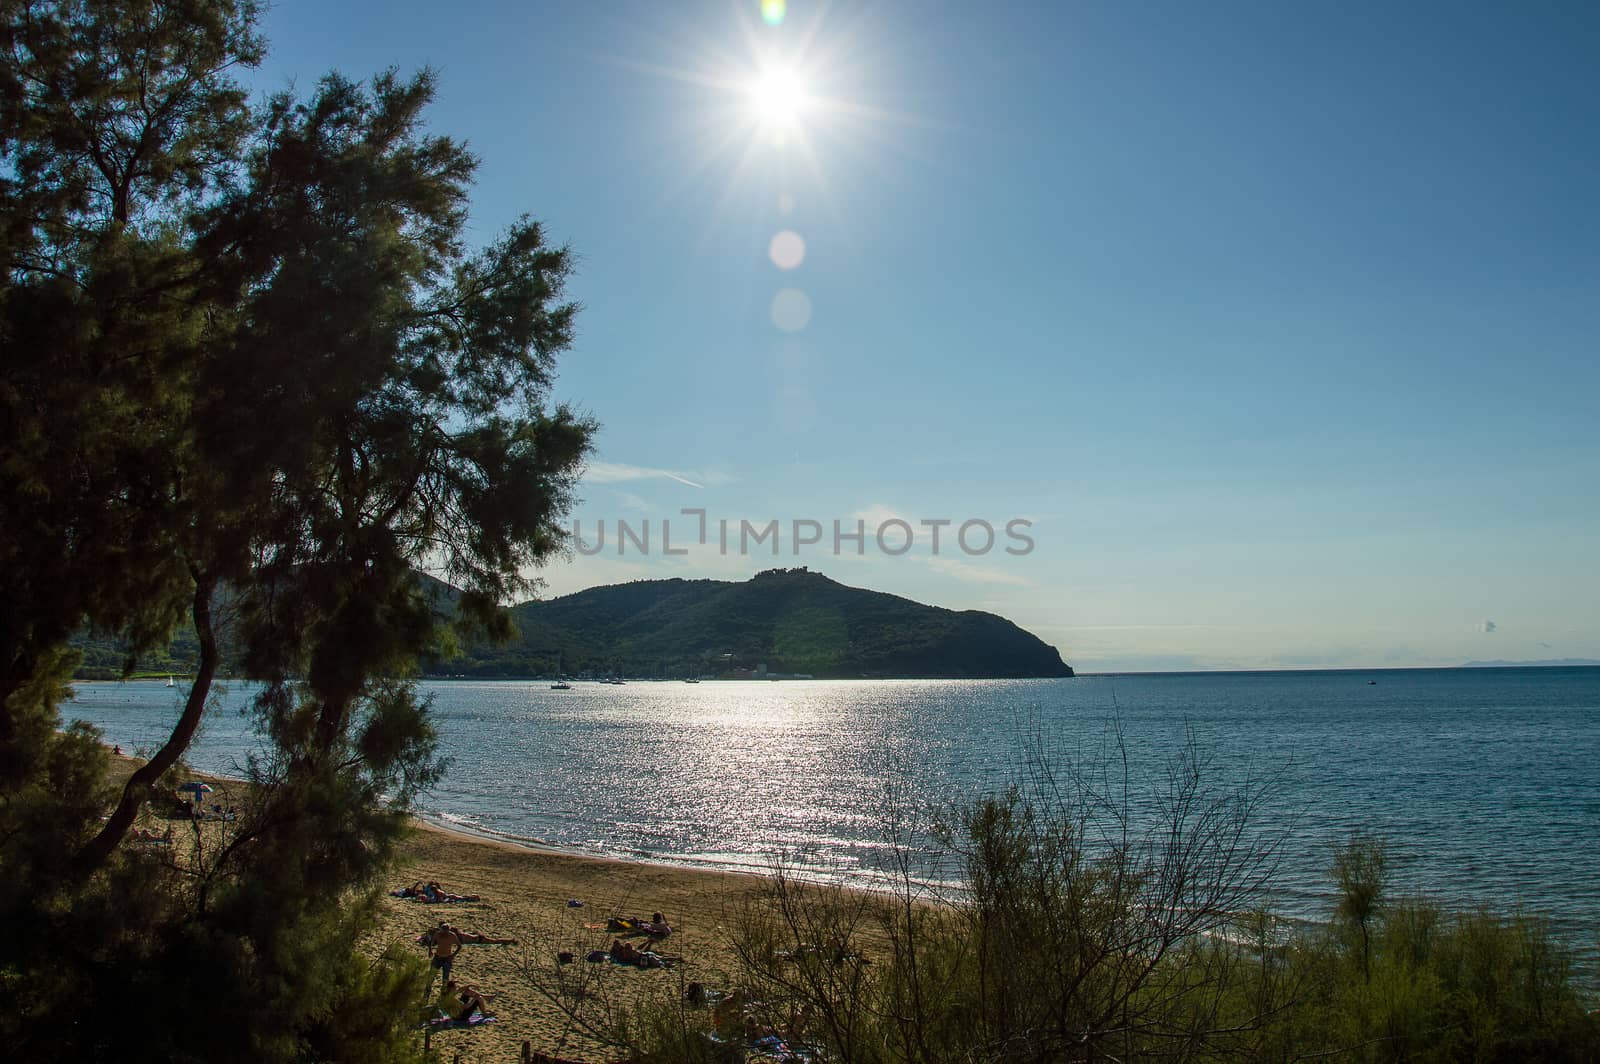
point(778, 98)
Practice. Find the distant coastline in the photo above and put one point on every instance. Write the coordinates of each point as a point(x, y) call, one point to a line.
point(1547, 663)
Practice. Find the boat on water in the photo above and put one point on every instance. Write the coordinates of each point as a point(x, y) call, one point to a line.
point(561, 685)
point(169, 680)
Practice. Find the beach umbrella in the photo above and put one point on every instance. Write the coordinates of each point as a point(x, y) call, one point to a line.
point(197, 787)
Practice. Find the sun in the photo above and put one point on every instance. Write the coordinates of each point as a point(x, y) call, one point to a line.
point(778, 98)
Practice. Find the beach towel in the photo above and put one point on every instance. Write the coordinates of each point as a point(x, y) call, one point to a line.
point(448, 1023)
point(653, 961)
point(779, 1049)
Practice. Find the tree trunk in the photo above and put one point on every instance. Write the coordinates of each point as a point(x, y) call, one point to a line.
point(138, 786)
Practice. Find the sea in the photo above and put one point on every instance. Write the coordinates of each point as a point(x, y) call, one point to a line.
point(1484, 783)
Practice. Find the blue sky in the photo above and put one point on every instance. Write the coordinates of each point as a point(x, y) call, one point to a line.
point(1279, 322)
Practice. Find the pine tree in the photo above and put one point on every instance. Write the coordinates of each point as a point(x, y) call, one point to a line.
point(251, 370)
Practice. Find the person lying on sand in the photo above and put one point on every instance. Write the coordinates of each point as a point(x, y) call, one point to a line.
point(431, 893)
point(627, 953)
point(467, 938)
point(436, 894)
point(655, 927)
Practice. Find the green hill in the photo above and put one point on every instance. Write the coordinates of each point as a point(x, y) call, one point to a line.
point(788, 620)
point(792, 621)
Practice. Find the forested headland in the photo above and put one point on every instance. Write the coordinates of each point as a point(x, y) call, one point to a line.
point(782, 622)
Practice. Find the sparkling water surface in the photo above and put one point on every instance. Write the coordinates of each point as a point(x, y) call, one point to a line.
point(1485, 782)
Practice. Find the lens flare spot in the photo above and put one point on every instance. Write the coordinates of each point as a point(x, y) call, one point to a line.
point(787, 250)
point(791, 310)
point(773, 11)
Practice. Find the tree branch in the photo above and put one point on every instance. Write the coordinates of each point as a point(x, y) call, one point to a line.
point(137, 789)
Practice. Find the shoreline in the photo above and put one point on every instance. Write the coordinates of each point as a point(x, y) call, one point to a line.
point(421, 821)
point(465, 834)
point(524, 893)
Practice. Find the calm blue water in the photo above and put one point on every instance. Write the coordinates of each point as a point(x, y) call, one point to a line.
point(1486, 782)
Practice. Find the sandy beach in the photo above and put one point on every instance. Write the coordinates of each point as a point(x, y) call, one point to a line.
point(524, 895)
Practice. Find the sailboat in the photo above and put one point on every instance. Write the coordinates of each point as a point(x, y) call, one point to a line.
point(169, 680)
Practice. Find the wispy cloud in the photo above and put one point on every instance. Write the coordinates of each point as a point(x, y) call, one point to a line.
point(618, 472)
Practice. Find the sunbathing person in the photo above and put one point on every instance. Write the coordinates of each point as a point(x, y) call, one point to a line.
point(459, 1001)
point(466, 938)
point(436, 894)
point(730, 1010)
point(431, 893)
point(627, 953)
point(655, 927)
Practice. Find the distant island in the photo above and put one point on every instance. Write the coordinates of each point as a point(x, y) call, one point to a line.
point(782, 622)
point(1548, 663)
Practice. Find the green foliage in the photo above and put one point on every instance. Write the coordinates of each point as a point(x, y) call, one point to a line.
point(114, 121)
point(1449, 986)
point(254, 379)
point(1090, 929)
point(1360, 869)
point(1087, 929)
